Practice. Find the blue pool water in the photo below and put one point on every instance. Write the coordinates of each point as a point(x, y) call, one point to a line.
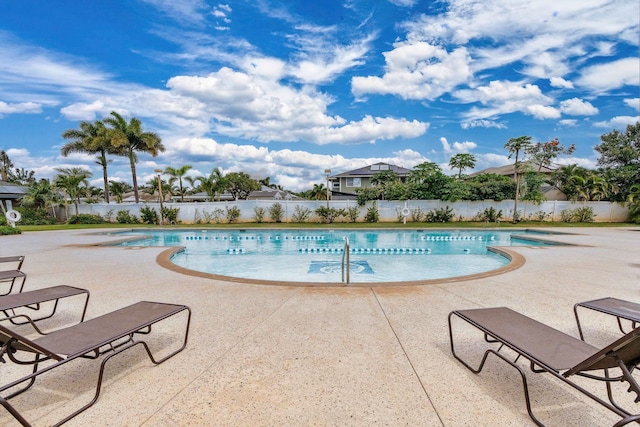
point(316, 255)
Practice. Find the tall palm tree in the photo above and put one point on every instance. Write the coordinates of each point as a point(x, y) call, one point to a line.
point(91, 138)
point(462, 161)
point(69, 180)
point(5, 166)
point(177, 174)
point(515, 146)
point(319, 192)
point(129, 139)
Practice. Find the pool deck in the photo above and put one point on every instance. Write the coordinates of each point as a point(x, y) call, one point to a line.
point(263, 355)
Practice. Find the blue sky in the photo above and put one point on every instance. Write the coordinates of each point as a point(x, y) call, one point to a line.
point(287, 89)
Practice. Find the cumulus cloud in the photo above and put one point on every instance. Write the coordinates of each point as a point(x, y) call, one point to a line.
point(633, 103)
point(568, 123)
point(264, 109)
point(19, 108)
point(417, 70)
point(611, 75)
point(618, 122)
point(503, 97)
point(577, 107)
point(561, 83)
point(457, 147)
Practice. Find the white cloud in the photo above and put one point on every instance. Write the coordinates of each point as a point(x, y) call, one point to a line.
point(183, 11)
point(19, 108)
point(612, 75)
point(417, 71)
point(619, 122)
point(577, 107)
point(561, 83)
point(457, 147)
point(633, 103)
point(503, 97)
point(482, 124)
point(568, 123)
point(247, 106)
point(403, 3)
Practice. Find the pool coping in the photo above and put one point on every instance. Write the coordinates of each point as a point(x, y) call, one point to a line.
point(516, 260)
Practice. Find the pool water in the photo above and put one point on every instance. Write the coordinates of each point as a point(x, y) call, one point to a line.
point(317, 255)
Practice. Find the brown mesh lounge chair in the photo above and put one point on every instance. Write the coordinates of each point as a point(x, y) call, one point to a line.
point(552, 351)
point(620, 309)
point(109, 334)
point(10, 276)
point(34, 300)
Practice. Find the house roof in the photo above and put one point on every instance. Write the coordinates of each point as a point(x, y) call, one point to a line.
point(10, 191)
point(373, 169)
point(508, 170)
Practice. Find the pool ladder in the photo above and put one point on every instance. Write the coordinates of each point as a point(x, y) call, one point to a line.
point(345, 261)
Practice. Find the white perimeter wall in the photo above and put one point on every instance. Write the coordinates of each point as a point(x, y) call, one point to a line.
point(388, 210)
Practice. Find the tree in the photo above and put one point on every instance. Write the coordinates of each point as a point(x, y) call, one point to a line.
point(69, 180)
point(515, 146)
point(213, 184)
point(177, 174)
point(543, 153)
point(318, 192)
point(384, 181)
point(5, 166)
point(241, 184)
point(118, 188)
point(128, 139)
point(40, 194)
point(620, 149)
point(462, 161)
point(22, 176)
point(91, 138)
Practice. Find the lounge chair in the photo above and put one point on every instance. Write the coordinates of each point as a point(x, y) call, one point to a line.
point(618, 308)
point(34, 300)
point(553, 351)
point(112, 333)
point(10, 276)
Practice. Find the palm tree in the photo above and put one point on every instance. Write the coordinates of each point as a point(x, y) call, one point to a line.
point(515, 146)
point(118, 189)
point(318, 192)
point(128, 139)
point(69, 180)
point(40, 194)
point(462, 161)
point(91, 138)
point(5, 166)
point(177, 174)
point(213, 184)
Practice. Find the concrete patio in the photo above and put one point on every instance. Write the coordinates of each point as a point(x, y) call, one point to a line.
point(293, 356)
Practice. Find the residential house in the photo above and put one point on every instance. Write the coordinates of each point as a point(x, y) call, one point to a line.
point(343, 186)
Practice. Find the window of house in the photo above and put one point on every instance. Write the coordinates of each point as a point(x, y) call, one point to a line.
point(384, 167)
point(354, 182)
point(375, 167)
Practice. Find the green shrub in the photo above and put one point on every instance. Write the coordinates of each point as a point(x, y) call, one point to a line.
point(276, 212)
point(258, 214)
point(417, 215)
point(634, 212)
point(233, 213)
point(490, 215)
point(125, 217)
point(439, 215)
point(86, 219)
point(352, 213)
point(170, 215)
point(6, 230)
point(148, 215)
point(301, 214)
point(31, 216)
point(583, 214)
point(372, 213)
point(539, 216)
point(329, 215)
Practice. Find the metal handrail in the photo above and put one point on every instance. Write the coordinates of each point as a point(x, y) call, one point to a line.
point(345, 260)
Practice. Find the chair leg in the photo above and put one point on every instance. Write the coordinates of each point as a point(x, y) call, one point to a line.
point(13, 412)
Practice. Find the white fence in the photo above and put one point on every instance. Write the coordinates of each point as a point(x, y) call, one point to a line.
point(389, 211)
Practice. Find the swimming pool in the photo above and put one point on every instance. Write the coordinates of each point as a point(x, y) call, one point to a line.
point(316, 256)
